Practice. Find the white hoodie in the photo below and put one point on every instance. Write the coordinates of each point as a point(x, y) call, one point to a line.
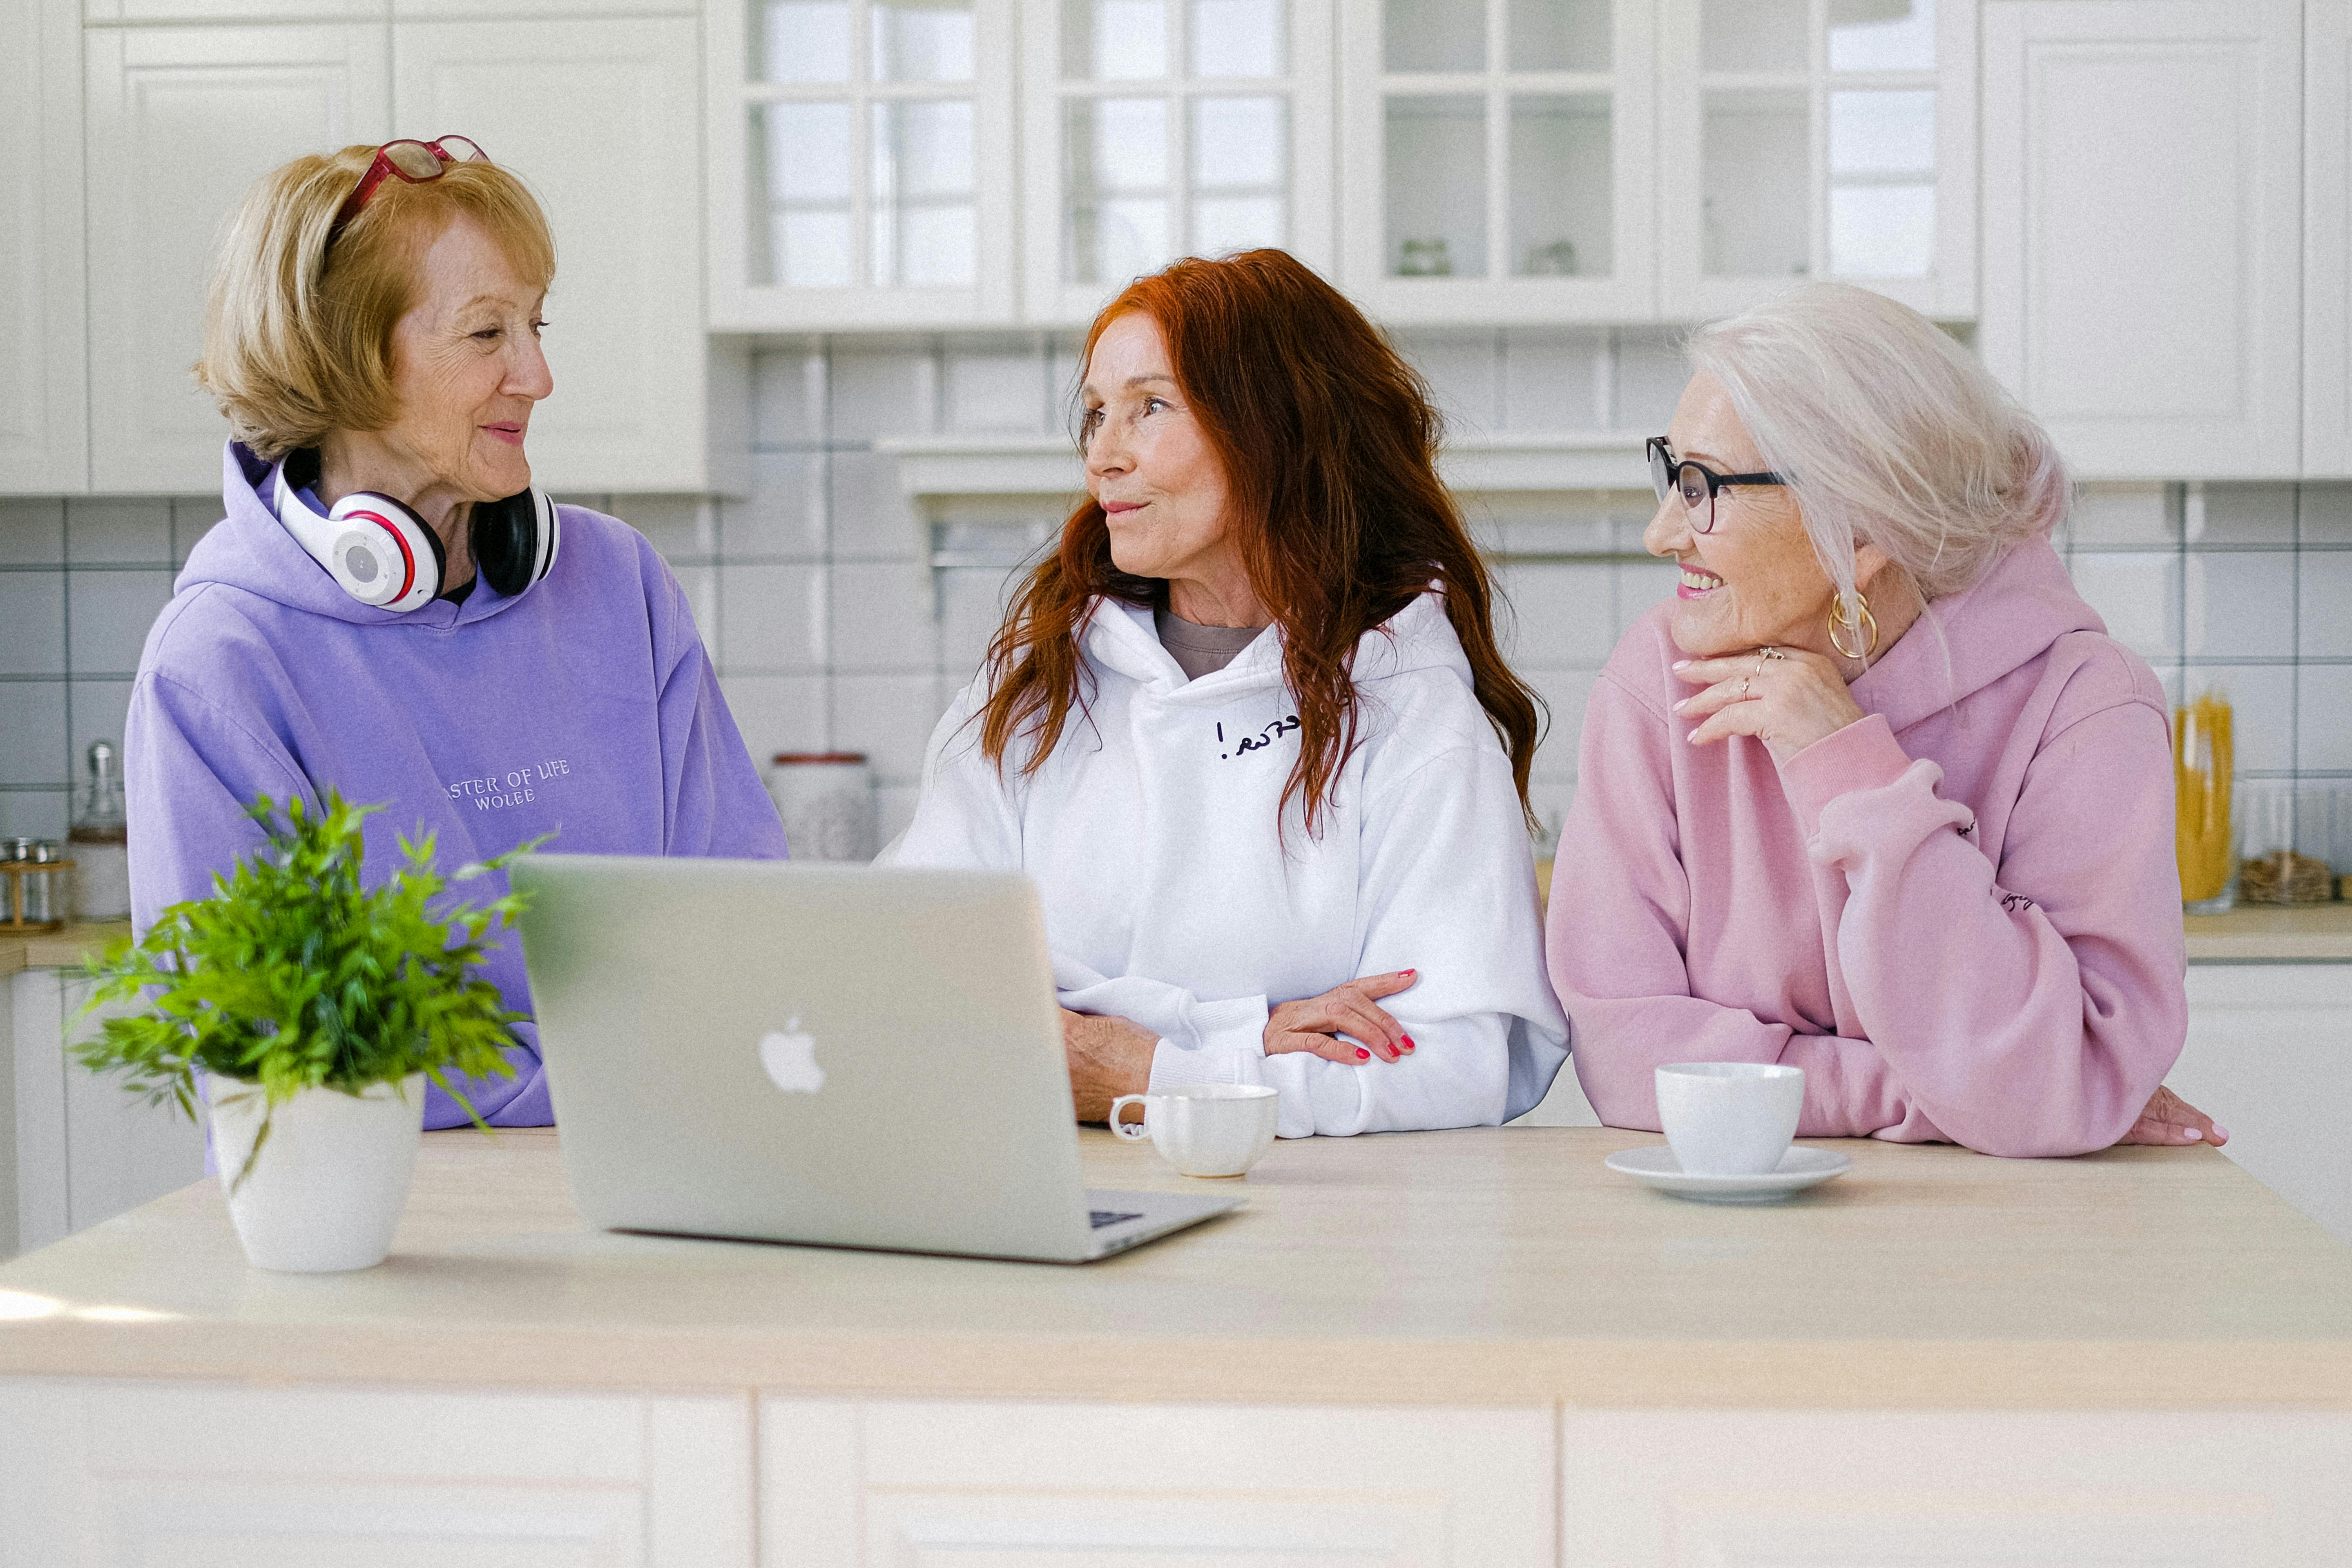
point(1169, 898)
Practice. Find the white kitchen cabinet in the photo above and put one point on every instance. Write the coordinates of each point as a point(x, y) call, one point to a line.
point(887, 1482)
point(1155, 129)
point(112, 1475)
point(2328, 241)
point(632, 406)
point(2143, 234)
point(862, 163)
point(83, 1151)
point(44, 433)
point(180, 121)
point(1812, 139)
point(1681, 1488)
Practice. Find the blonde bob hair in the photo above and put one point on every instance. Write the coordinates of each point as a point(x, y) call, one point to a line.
point(298, 336)
point(1887, 432)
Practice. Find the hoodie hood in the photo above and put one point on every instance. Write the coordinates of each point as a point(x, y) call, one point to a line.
point(1966, 641)
point(1121, 638)
point(251, 549)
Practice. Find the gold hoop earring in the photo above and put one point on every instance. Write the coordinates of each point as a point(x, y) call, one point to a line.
point(1868, 628)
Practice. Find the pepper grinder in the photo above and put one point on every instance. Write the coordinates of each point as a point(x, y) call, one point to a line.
point(102, 842)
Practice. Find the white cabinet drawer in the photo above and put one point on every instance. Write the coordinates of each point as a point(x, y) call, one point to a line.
point(914, 1484)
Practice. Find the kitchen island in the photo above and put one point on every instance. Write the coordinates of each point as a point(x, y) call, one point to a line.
point(1463, 1348)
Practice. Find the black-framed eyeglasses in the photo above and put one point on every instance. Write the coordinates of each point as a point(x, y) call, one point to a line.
point(1697, 484)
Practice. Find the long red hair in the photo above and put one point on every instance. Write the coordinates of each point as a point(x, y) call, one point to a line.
point(1329, 443)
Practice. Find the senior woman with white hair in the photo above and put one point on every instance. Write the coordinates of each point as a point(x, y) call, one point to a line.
point(391, 607)
point(1874, 794)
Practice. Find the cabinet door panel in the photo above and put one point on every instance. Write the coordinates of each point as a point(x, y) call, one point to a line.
point(42, 434)
point(2328, 242)
point(181, 120)
point(1108, 1486)
point(2142, 228)
point(625, 334)
point(149, 1473)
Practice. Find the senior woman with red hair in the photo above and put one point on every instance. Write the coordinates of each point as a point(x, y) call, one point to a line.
point(1249, 731)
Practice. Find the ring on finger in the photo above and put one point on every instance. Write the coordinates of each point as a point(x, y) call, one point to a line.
point(1770, 653)
point(1745, 682)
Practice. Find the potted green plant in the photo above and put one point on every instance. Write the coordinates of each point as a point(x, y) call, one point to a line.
point(315, 1011)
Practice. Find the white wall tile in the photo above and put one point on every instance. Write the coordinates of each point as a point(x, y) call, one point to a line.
point(1546, 523)
point(32, 533)
point(777, 713)
point(1650, 374)
point(110, 613)
point(2325, 620)
point(888, 717)
point(1559, 616)
point(883, 617)
point(873, 519)
point(2138, 596)
point(1465, 375)
point(894, 809)
point(33, 716)
point(700, 586)
point(192, 517)
point(991, 390)
point(35, 814)
point(2326, 514)
point(1547, 380)
point(891, 392)
point(685, 529)
point(32, 623)
point(98, 711)
point(1062, 379)
point(2262, 710)
point(2240, 605)
point(788, 397)
point(1630, 515)
point(2122, 514)
point(1565, 693)
point(2327, 716)
point(771, 620)
point(119, 531)
point(971, 606)
point(1639, 586)
point(784, 519)
point(2239, 514)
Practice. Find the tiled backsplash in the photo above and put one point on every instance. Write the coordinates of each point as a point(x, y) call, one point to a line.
point(845, 614)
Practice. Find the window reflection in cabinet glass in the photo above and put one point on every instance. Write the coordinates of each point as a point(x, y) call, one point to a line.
point(1560, 186)
point(1560, 35)
point(1882, 132)
point(1114, 40)
point(1882, 231)
point(924, 230)
point(1881, 35)
point(921, 40)
point(1757, 184)
point(1117, 178)
point(804, 40)
point(1435, 35)
point(1752, 35)
point(1236, 37)
point(803, 149)
point(1436, 192)
point(1240, 158)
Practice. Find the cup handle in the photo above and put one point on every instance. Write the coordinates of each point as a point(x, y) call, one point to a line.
point(1120, 1129)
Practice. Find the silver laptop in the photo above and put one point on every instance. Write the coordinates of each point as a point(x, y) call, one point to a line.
point(849, 1056)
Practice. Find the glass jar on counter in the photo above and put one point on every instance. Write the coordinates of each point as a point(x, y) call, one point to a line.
point(100, 841)
point(2204, 837)
point(826, 799)
point(37, 871)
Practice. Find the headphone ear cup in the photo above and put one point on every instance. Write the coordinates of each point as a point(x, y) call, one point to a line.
point(515, 539)
point(383, 554)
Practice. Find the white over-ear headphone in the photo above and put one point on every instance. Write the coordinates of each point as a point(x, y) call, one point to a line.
point(381, 552)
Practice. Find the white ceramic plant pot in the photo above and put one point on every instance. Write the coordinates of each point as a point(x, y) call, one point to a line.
point(327, 1191)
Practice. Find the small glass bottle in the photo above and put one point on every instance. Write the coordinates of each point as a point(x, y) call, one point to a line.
point(102, 842)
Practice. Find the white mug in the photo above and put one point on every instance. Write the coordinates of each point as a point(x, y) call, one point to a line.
point(1729, 1119)
point(1203, 1128)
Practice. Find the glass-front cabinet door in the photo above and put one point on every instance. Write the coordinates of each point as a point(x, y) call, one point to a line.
point(1497, 158)
point(861, 163)
point(1818, 139)
point(1154, 129)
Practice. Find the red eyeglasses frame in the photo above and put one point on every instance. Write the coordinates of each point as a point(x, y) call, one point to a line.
point(383, 165)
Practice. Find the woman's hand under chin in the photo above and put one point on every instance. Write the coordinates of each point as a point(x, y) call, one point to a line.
point(1785, 697)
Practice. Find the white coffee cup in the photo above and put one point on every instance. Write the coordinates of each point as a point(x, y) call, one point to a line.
point(1203, 1128)
point(1729, 1119)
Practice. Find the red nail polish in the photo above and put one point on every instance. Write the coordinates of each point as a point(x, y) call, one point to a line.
point(1363, 1055)
point(1408, 1042)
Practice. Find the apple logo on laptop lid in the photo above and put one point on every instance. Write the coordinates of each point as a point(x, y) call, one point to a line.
point(788, 1055)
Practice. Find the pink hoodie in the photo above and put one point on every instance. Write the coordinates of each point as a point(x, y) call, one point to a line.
point(1959, 915)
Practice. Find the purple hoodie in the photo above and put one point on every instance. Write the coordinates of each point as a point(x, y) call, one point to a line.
point(585, 707)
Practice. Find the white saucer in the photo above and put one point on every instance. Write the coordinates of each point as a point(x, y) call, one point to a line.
point(1655, 1166)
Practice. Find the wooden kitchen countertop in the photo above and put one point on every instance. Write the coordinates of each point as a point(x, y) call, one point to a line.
point(66, 949)
point(1496, 1267)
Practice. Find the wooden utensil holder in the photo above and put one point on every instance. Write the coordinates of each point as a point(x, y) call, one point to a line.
point(11, 907)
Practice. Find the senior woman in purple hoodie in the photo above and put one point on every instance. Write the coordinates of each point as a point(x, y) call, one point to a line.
point(390, 607)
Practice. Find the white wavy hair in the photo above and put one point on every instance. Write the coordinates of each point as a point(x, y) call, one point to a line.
point(1888, 433)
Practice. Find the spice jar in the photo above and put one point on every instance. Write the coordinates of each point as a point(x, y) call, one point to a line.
point(102, 842)
point(37, 871)
point(826, 799)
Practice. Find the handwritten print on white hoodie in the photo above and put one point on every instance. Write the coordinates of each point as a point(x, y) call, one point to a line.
point(1172, 899)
